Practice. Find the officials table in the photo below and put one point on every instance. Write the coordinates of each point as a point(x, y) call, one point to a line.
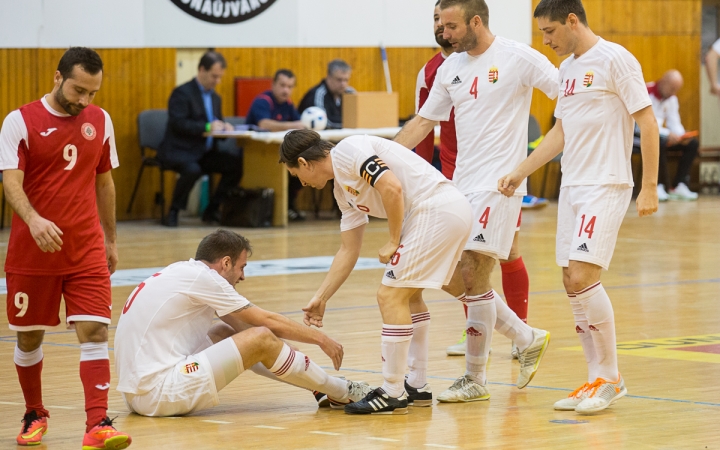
point(261, 154)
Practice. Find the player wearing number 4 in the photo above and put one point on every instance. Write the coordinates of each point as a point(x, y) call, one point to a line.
point(601, 92)
point(429, 221)
point(56, 154)
point(489, 81)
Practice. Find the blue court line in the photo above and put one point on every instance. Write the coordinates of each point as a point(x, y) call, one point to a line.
point(545, 388)
point(557, 291)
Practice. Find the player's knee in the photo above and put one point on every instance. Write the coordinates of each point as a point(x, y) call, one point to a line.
point(91, 332)
point(28, 341)
point(263, 337)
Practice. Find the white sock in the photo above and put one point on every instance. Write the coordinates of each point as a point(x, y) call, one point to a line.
point(297, 369)
point(395, 349)
point(509, 324)
point(225, 361)
point(27, 359)
point(419, 348)
point(481, 319)
point(586, 340)
point(601, 322)
point(93, 351)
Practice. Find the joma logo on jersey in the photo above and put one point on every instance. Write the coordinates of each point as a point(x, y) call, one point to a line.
point(493, 75)
point(588, 80)
point(352, 191)
point(190, 368)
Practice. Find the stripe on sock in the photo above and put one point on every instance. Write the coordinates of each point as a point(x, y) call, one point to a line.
point(587, 289)
point(286, 366)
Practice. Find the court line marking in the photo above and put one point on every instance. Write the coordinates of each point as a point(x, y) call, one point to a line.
point(325, 433)
point(440, 446)
point(219, 422)
point(270, 427)
point(382, 439)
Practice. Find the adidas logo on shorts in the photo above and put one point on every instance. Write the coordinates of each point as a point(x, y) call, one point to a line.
point(479, 238)
point(583, 248)
point(456, 80)
point(390, 275)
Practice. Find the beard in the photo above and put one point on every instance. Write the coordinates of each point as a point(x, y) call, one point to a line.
point(444, 43)
point(468, 42)
point(68, 106)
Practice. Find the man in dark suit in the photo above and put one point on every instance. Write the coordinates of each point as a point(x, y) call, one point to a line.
point(194, 109)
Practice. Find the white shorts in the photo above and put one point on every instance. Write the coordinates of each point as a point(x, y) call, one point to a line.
point(589, 219)
point(431, 242)
point(188, 387)
point(496, 218)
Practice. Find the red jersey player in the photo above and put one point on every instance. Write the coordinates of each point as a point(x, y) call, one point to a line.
point(515, 280)
point(56, 154)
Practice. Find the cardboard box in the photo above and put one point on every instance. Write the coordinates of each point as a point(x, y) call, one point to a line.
point(370, 110)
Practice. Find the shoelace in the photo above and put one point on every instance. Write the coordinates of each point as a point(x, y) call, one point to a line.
point(595, 386)
point(28, 419)
point(107, 422)
point(579, 391)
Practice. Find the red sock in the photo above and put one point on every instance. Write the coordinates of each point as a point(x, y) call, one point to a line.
point(95, 377)
point(31, 385)
point(516, 285)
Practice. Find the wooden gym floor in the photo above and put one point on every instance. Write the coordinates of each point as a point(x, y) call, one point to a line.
point(664, 282)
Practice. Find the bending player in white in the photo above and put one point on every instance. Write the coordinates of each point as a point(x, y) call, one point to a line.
point(429, 222)
point(171, 359)
point(489, 81)
point(601, 91)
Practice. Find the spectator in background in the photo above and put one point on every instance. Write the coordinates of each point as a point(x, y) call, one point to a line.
point(666, 108)
point(273, 110)
point(328, 94)
point(194, 108)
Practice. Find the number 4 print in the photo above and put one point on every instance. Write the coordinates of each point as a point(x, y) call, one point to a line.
point(485, 217)
point(589, 228)
point(473, 88)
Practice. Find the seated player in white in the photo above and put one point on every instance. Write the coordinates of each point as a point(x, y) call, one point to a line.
point(429, 221)
point(172, 360)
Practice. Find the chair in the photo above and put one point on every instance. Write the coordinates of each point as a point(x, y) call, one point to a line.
point(151, 129)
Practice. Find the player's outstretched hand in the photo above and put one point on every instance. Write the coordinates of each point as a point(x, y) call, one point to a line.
point(387, 251)
point(46, 234)
point(508, 184)
point(647, 201)
point(314, 312)
point(334, 350)
point(112, 256)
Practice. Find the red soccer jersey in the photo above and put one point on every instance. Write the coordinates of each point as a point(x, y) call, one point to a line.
point(60, 155)
point(448, 139)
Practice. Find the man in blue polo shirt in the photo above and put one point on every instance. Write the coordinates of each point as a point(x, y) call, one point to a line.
point(273, 110)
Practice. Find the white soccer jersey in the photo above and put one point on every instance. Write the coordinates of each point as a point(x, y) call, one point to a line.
point(359, 161)
point(166, 319)
point(599, 92)
point(491, 94)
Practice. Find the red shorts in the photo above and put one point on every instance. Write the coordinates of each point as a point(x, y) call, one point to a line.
point(33, 301)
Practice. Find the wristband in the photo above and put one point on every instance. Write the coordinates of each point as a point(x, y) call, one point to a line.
point(208, 126)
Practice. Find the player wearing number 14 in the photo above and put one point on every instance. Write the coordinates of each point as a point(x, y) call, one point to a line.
point(56, 154)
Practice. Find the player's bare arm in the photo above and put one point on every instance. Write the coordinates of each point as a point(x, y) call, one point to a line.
point(550, 147)
point(46, 233)
point(414, 131)
point(711, 65)
point(285, 328)
point(391, 193)
point(276, 125)
point(105, 194)
point(342, 265)
point(647, 200)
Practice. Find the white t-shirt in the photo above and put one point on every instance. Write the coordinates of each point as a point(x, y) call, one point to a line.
point(359, 161)
point(598, 93)
point(491, 94)
point(167, 318)
point(667, 112)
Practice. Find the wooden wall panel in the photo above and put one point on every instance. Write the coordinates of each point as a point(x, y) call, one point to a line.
point(310, 65)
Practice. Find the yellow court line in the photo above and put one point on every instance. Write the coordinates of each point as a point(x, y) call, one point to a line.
point(665, 348)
